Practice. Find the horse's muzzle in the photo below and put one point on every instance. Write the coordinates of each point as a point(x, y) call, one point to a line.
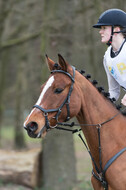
point(31, 128)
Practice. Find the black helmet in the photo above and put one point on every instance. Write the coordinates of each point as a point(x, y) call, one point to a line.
point(112, 17)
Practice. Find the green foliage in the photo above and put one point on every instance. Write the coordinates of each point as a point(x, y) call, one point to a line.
point(84, 186)
point(7, 133)
point(1, 183)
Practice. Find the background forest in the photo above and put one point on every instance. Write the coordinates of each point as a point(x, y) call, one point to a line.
point(29, 30)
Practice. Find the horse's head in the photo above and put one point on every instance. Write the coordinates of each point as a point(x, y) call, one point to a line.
point(58, 101)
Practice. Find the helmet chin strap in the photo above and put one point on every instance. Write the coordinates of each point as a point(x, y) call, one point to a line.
point(112, 32)
point(110, 40)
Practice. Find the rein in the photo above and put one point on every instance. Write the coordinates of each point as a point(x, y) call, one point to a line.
point(88, 125)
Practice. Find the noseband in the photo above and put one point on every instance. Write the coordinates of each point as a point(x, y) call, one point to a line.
point(58, 110)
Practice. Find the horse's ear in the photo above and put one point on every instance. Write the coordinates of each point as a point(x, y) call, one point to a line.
point(50, 63)
point(62, 63)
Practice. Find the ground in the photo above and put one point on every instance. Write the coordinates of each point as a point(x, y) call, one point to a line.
point(83, 167)
point(13, 187)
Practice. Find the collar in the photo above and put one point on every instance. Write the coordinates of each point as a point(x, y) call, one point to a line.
point(115, 53)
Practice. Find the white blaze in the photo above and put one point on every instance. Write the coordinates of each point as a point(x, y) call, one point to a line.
point(28, 118)
point(48, 84)
point(46, 87)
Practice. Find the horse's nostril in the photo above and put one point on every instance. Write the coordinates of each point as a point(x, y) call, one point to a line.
point(32, 126)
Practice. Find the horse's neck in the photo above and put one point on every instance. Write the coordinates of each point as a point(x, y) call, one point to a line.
point(95, 109)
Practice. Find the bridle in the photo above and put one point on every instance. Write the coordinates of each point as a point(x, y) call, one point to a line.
point(59, 109)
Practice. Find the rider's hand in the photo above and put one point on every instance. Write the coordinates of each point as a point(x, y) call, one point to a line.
point(123, 101)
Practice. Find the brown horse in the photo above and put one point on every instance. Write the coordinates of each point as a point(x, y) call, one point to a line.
point(66, 94)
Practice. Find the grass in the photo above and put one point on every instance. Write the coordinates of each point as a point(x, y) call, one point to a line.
point(7, 134)
point(84, 167)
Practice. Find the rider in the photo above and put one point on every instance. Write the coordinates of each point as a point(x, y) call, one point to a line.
point(112, 25)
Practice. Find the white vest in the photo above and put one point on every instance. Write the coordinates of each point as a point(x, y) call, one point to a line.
point(117, 65)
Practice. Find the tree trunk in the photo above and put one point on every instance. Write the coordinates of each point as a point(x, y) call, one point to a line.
point(19, 141)
point(2, 85)
point(59, 164)
point(2, 61)
point(21, 167)
point(59, 171)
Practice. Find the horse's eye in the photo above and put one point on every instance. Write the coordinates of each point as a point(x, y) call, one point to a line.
point(58, 90)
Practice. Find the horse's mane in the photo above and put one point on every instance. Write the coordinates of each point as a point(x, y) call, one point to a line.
point(100, 89)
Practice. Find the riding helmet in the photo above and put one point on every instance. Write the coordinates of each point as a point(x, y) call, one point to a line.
point(112, 17)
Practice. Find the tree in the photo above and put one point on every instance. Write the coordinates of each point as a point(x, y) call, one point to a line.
point(59, 169)
point(19, 41)
point(28, 31)
point(19, 141)
point(3, 63)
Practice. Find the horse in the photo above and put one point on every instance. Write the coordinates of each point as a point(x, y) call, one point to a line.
point(67, 94)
